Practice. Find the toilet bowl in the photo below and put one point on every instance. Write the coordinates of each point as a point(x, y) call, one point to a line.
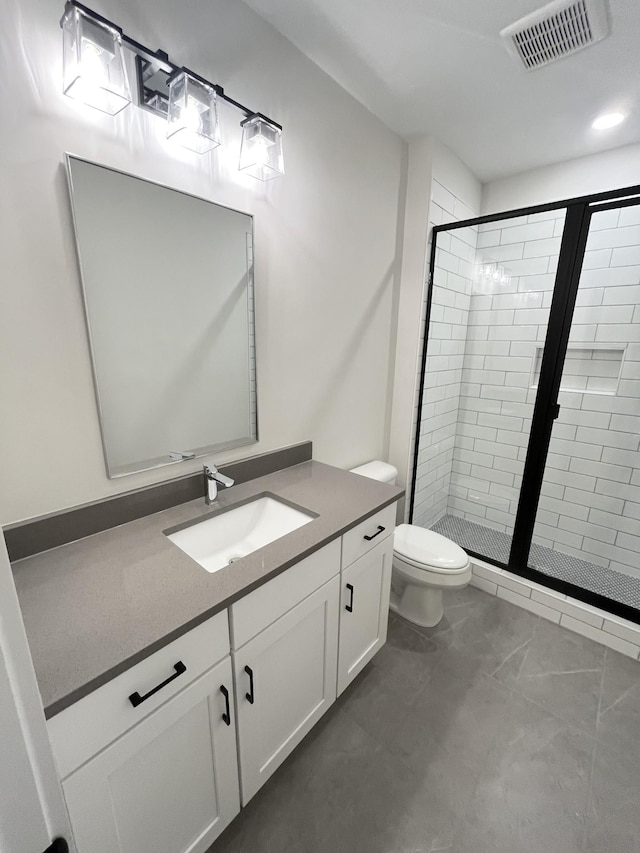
point(424, 562)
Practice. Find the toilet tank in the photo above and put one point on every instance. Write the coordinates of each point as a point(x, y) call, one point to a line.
point(377, 470)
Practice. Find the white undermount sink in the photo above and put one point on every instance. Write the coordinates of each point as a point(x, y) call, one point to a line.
point(216, 542)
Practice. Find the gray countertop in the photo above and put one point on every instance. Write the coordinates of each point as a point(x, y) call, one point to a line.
point(97, 606)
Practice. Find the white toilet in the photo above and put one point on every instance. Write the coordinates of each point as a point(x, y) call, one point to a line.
point(424, 563)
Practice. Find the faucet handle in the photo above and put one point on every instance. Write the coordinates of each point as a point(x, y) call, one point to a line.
point(212, 473)
point(224, 481)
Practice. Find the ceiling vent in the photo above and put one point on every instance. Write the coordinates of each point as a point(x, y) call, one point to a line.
point(558, 29)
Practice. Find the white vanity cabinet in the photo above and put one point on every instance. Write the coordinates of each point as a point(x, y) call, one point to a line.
point(364, 593)
point(285, 672)
point(150, 761)
point(158, 774)
point(169, 785)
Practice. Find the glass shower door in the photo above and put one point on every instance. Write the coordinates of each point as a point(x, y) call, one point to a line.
point(587, 526)
point(490, 302)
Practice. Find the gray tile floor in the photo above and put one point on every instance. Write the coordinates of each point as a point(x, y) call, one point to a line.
point(494, 544)
point(496, 732)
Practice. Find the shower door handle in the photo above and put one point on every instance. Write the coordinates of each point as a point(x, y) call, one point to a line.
point(556, 411)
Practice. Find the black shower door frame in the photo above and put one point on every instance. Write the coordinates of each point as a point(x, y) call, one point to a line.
point(546, 409)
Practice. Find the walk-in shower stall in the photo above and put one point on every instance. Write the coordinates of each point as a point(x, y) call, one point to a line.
point(528, 443)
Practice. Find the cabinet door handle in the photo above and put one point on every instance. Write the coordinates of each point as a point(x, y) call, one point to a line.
point(226, 717)
point(377, 533)
point(250, 695)
point(349, 606)
point(136, 699)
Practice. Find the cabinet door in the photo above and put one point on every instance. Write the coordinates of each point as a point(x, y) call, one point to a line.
point(169, 785)
point(285, 681)
point(364, 610)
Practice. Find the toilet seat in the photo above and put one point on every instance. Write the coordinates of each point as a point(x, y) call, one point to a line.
point(425, 576)
point(425, 550)
point(415, 569)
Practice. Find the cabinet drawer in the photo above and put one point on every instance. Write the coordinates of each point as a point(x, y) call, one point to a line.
point(366, 535)
point(264, 605)
point(83, 729)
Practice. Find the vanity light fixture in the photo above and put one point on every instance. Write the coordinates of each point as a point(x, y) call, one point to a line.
point(261, 148)
point(92, 60)
point(95, 72)
point(192, 117)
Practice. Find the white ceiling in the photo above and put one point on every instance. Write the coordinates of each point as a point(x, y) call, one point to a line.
point(439, 67)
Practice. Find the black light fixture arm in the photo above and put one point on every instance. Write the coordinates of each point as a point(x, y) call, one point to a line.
point(160, 61)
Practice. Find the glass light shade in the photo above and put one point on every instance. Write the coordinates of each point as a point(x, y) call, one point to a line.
point(192, 119)
point(261, 149)
point(93, 65)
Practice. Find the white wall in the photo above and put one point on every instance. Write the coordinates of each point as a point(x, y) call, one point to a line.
point(22, 826)
point(610, 170)
point(32, 812)
point(450, 171)
point(326, 255)
point(440, 188)
point(450, 303)
point(415, 218)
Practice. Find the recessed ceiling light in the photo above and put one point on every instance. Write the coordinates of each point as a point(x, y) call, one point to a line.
point(608, 120)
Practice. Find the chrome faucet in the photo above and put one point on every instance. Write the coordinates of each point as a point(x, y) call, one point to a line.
point(213, 477)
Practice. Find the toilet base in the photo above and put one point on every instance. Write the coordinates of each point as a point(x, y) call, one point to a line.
point(421, 605)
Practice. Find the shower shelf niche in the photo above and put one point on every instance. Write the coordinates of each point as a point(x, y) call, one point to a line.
point(587, 370)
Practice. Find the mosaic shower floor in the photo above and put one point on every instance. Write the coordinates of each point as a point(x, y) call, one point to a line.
point(496, 545)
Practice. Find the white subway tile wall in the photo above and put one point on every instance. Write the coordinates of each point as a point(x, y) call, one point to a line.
point(497, 394)
point(595, 461)
point(483, 363)
point(594, 454)
point(451, 296)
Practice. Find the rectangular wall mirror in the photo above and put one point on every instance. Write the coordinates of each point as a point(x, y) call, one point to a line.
point(168, 291)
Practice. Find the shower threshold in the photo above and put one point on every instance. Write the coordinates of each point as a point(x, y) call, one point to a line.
point(495, 545)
